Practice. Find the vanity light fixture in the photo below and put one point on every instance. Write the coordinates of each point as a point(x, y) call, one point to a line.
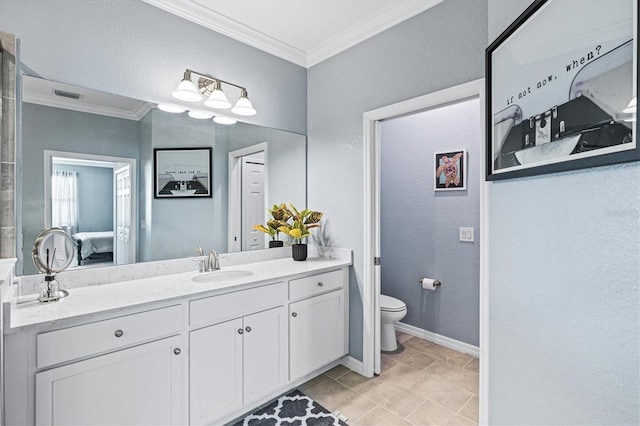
point(171, 108)
point(212, 88)
point(201, 115)
point(224, 120)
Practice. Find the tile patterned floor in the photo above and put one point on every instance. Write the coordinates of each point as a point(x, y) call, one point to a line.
point(426, 384)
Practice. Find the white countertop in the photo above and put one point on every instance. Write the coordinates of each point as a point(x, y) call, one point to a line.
point(112, 297)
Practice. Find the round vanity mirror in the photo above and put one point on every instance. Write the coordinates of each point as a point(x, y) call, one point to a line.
point(53, 250)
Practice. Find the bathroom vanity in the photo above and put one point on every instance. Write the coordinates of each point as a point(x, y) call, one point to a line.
point(178, 348)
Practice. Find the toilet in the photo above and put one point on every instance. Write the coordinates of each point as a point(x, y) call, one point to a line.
point(392, 310)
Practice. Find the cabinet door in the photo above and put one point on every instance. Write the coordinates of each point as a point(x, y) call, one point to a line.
point(138, 386)
point(316, 329)
point(265, 353)
point(215, 371)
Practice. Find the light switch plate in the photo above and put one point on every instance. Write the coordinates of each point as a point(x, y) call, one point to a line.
point(466, 234)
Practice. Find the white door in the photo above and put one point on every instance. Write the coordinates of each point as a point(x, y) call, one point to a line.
point(215, 371)
point(265, 353)
point(123, 243)
point(316, 330)
point(137, 386)
point(253, 207)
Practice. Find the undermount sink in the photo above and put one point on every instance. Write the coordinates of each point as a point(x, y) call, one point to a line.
point(219, 276)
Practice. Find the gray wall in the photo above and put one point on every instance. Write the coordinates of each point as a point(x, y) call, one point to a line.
point(440, 48)
point(80, 132)
point(419, 226)
point(95, 197)
point(564, 299)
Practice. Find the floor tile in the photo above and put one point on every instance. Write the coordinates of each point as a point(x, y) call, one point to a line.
point(380, 417)
point(471, 408)
point(337, 371)
point(402, 337)
point(384, 392)
point(413, 358)
point(473, 365)
point(386, 362)
point(431, 413)
point(438, 351)
point(335, 396)
point(457, 376)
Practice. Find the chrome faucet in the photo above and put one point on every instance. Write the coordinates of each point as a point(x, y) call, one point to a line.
point(213, 261)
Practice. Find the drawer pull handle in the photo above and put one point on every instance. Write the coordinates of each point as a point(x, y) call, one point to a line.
point(177, 351)
point(248, 329)
point(294, 314)
point(240, 331)
point(320, 284)
point(119, 333)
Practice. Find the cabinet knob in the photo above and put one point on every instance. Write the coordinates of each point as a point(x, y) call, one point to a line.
point(119, 333)
point(177, 351)
point(248, 329)
point(240, 331)
point(320, 284)
point(294, 314)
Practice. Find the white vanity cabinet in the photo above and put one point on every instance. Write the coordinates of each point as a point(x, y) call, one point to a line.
point(238, 361)
point(317, 321)
point(140, 384)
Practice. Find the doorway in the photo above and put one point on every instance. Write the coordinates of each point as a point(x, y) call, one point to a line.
point(248, 187)
point(104, 205)
point(372, 260)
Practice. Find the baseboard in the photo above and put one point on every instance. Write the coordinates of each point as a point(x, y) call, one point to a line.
point(353, 364)
point(448, 342)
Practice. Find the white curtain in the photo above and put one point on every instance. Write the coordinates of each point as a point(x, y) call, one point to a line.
point(64, 200)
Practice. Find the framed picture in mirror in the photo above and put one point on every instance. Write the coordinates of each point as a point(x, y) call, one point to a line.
point(562, 85)
point(182, 172)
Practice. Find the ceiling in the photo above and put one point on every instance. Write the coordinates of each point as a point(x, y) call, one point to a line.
point(304, 32)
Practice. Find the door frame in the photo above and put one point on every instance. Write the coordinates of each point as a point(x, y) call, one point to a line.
point(117, 163)
point(235, 188)
point(371, 243)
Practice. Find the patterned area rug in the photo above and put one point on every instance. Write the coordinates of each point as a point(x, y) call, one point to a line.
point(292, 409)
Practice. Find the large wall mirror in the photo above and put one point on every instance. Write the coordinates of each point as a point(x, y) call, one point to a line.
point(87, 167)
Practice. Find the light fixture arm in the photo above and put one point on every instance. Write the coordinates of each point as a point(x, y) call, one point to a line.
point(213, 79)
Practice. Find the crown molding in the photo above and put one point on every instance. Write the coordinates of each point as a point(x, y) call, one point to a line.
point(383, 20)
point(219, 23)
point(141, 109)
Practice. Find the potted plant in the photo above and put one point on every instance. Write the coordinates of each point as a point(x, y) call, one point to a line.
point(280, 215)
point(298, 229)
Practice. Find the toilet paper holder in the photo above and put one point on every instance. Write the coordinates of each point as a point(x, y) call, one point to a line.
point(436, 283)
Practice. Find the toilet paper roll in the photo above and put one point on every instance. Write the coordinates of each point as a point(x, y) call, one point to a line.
point(429, 283)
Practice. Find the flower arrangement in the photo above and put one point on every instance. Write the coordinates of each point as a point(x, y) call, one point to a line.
point(280, 215)
point(302, 222)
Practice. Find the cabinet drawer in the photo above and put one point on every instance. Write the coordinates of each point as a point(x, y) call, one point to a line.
point(310, 286)
point(227, 306)
point(83, 340)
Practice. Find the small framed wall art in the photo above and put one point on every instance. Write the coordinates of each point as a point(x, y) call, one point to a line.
point(451, 170)
point(182, 172)
point(562, 85)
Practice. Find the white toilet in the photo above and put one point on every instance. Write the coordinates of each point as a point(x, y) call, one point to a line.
point(392, 310)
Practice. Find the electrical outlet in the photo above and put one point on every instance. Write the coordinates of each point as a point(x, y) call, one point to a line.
point(466, 234)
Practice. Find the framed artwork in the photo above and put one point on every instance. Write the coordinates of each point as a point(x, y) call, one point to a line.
point(451, 170)
point(562, 85)
point(182, 172)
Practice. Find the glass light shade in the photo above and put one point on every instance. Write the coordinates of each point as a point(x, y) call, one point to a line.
point(243, 106)
point(218, 100)
point(632, 107)
point(201, 115)
point(187, 91)
point(224, 120)
point(171, 108)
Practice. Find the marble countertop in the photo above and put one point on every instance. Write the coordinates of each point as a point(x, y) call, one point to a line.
point(97, 299)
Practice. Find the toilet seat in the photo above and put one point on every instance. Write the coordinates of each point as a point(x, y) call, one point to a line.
point(391, 304)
